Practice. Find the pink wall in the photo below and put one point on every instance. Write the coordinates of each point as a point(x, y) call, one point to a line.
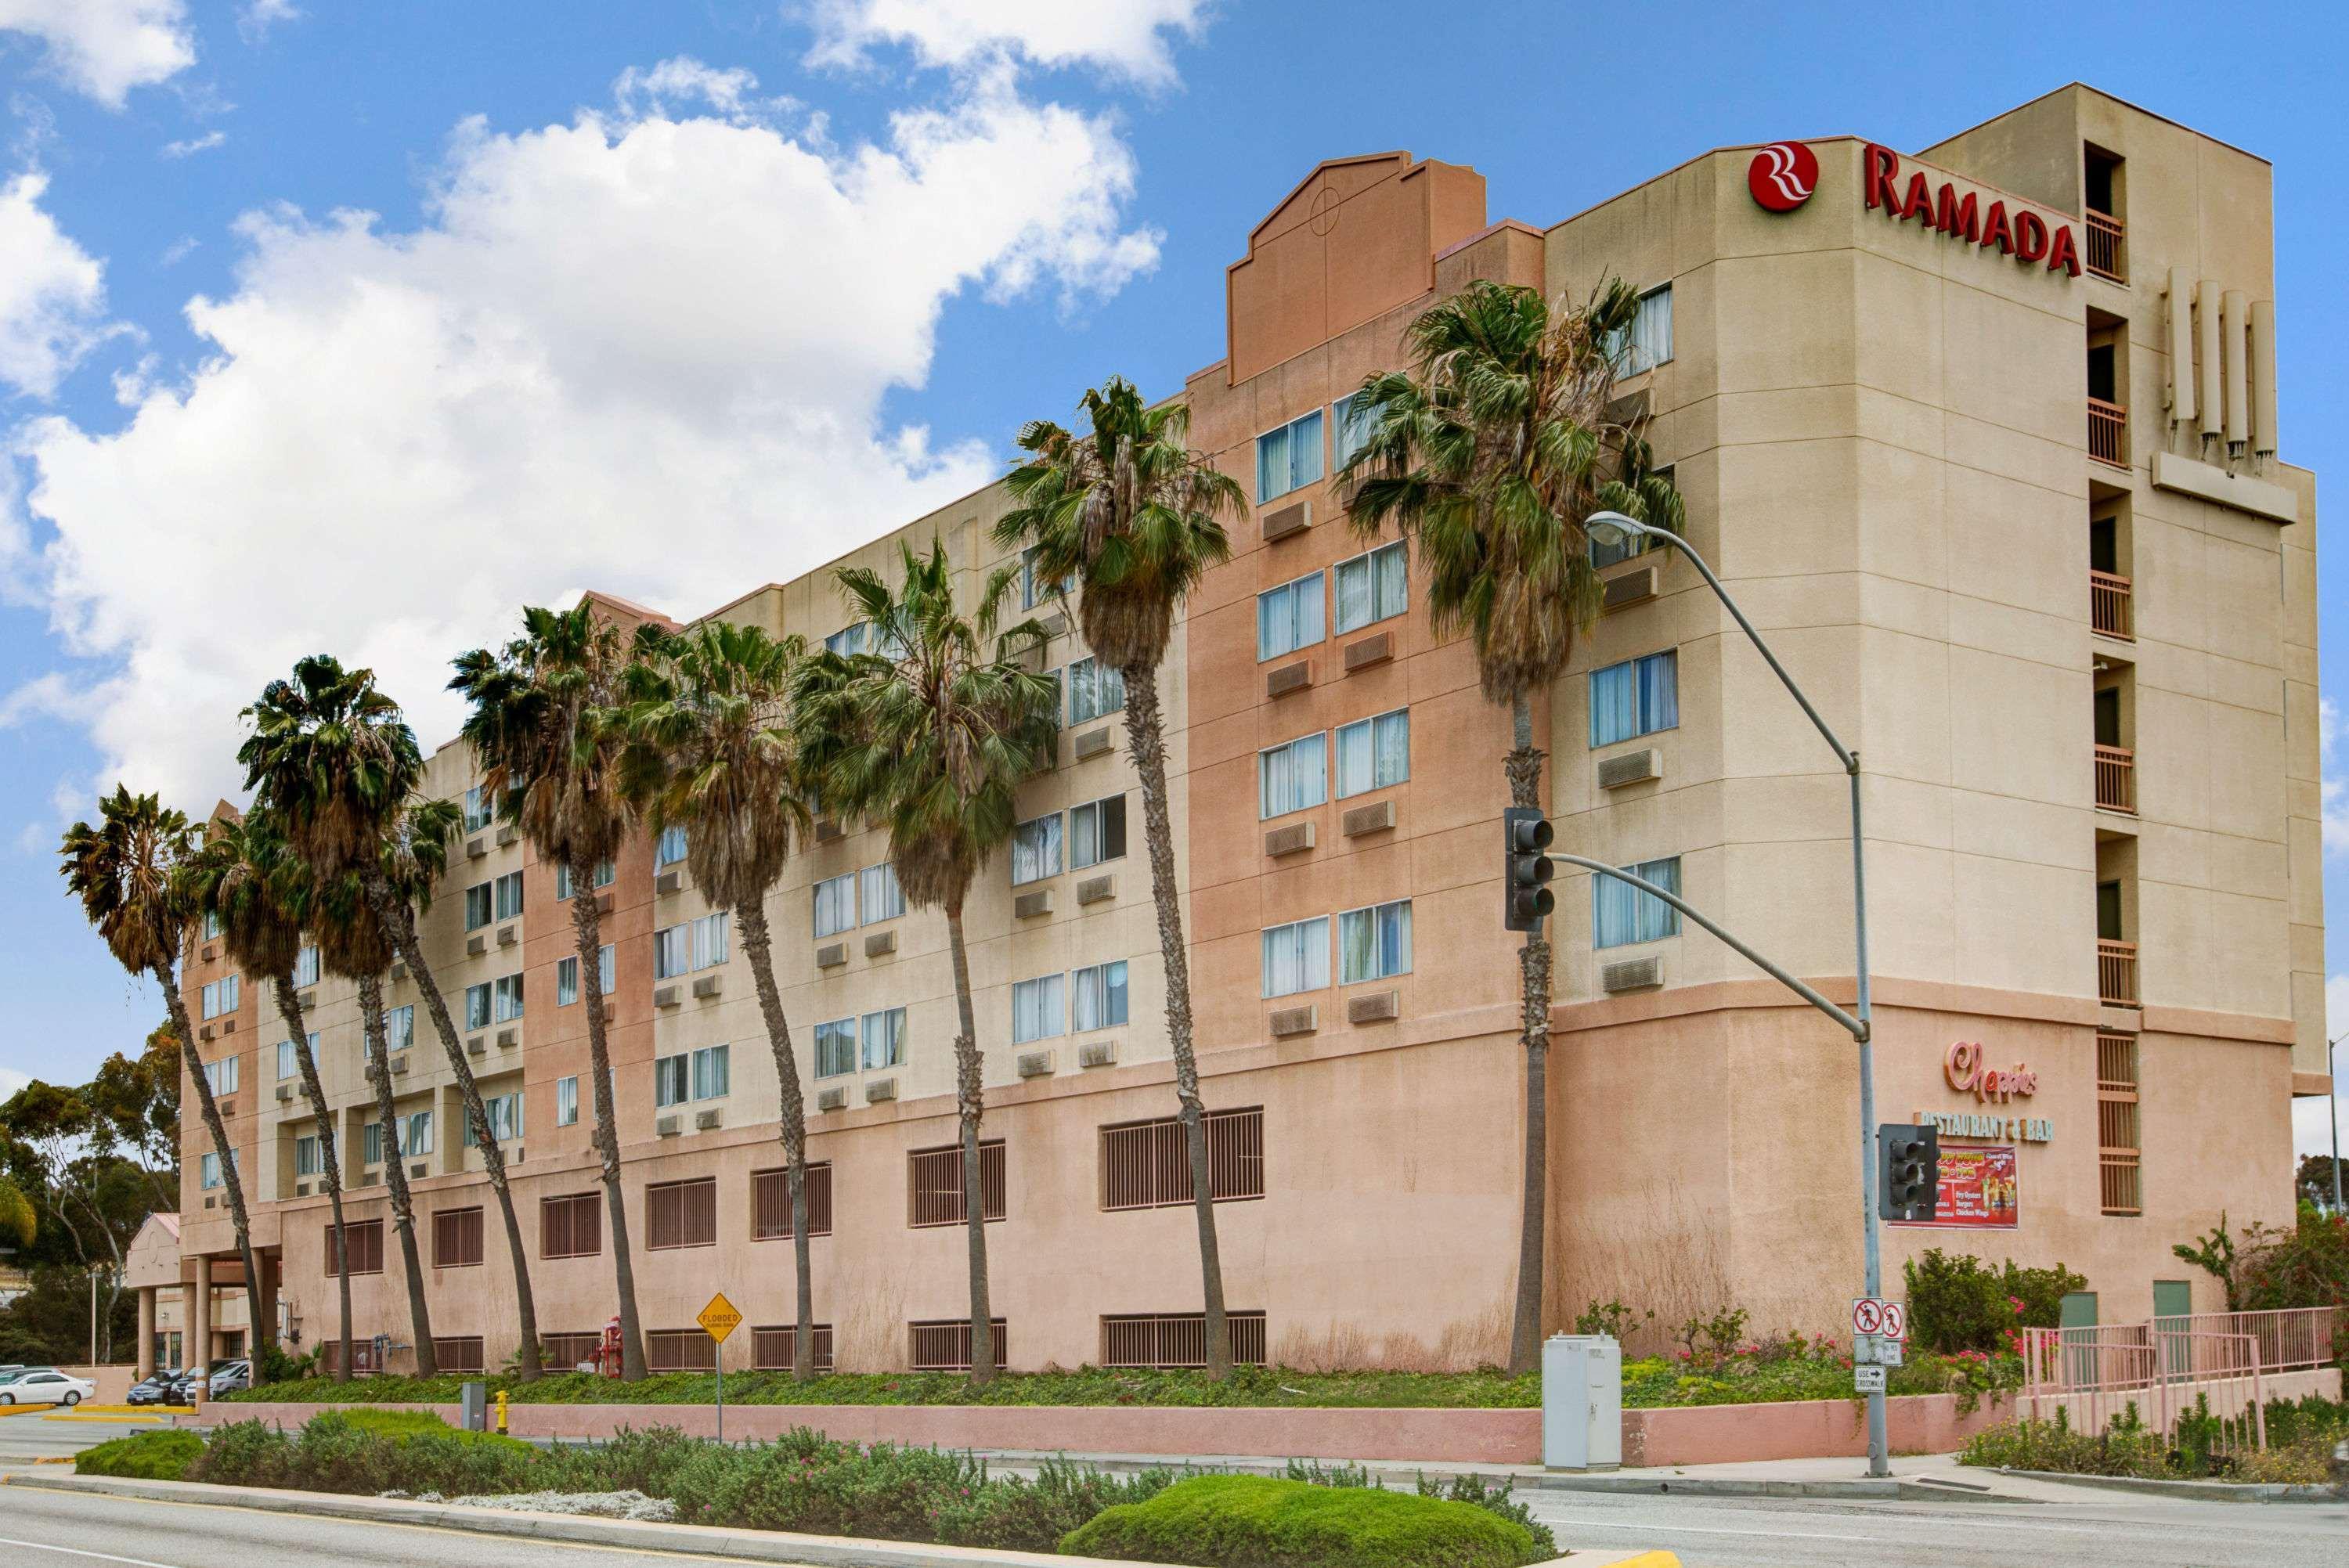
point(113, 1382)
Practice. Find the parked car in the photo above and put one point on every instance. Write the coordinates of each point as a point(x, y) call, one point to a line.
point(168, 1387)
point(234, 1373)
point(45, 1385)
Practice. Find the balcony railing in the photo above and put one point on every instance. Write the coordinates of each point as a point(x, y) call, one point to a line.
point(2117, 973)
point(2108, 432)
point(2111, 606)
point(2107, 253)
point(2116, 779)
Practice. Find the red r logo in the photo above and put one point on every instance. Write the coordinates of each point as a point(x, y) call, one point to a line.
point(1783, 175)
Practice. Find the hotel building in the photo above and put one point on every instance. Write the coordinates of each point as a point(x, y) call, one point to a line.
point(1983, 437)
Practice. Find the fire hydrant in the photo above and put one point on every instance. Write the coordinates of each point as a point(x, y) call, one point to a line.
point(501, 1411)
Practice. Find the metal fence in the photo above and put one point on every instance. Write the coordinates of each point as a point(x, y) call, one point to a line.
point(2208, 1364)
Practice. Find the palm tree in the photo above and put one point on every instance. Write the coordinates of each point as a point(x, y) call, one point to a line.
point(543, 734)
point(931, 735)
point(1485, 456)
point(352, 943)
point(125, 871)
point(1131, 513)
point(246, 877)
point(711, 751)
point(330, 755)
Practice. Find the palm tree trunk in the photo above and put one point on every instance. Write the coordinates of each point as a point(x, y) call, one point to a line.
point(756, 945)
point(971, 1102)
point(394, 915)
point(1523, 764)
point(1145, 730)
point(230, 1179)
point(587, 932)
point(395, 1175)
point(289, 1007)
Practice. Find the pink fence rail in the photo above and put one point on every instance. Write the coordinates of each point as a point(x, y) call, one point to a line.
point(2213, 1362)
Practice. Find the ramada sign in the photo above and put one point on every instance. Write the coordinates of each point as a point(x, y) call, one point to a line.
point(2024, 234)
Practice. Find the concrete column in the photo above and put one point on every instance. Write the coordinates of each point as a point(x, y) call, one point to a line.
point(200, 1315)
point(146, 1332)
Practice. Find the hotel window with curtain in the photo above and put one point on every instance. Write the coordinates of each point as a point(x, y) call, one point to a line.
point(398, 1027)
point(1649, 341)
point(606, 873)
point(1036, 850)
point(306, 967)
point(1622, 914)
point(566, 1101)
point(477, 1007)
point(835, 1047)
point(885, 1039)
point(1100, 996)
point(1637, 696)
point(1094, 689)
point(671, 848)
point(509, 895)
point(305, 1155)
point(1097, 831)
point(1374, 753)
point(1292, 776)
point(835, 905)
point(1288, 617)
point(1349, 428)
point(1033, 590)
point(1374, 943)
point(478, 809)
point(1288, 458)
point(881, 896)
point(1373, 587)
point(1297, 957)
point(1038, 1008)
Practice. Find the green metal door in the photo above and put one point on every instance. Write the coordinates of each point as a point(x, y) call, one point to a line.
point(2173, 1300)
point(2077, 1320)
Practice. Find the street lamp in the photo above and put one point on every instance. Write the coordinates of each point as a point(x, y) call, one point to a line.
point(1615, 531)
point(2332, 1107)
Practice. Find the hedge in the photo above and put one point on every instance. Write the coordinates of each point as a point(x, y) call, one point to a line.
point(1256, 1522)
point(141, 1456)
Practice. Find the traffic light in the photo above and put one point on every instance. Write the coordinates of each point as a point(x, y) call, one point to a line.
point(1525, 897)
point(1907, 1172)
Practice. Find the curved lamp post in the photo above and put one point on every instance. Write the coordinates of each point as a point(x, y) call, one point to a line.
point(1614, 530)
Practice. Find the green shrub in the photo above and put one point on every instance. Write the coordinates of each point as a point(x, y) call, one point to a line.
point(142, 1456)
point(1960, 1303)
point(1256, 1522)
point(2269, 1269)
point(341, 1452)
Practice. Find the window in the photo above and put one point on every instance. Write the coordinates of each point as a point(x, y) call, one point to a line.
point(1147, 1164)
point(212, 924)
point(221, 997)
point(849, 641)
point(681, 1214)
point(1297, 957)
point(1373, 587)
point(885, 1039)
point(671, 850)
point(1374, 943)
point(1374, 753)
point(416, 1134)
point(672, 1080)
point(288, 1061)
point(400, 1028)
point(1176, 1340)
point(773, 1345)
point(1288, 456)
point(1036, 850)
point(478, 905)
point(688, 945)
point(771, 1203)
point(362, 1247)
point(1288, 617)
point(461, 1352)
point(477, 1007)
point(509, 895)
point(835, 1047)
point(571, 1226)
point(934, 1195)
point(680, 1350)
point(879, 895)
point(566, 1101)
point(505, 998)
point(1637, 696)
point(709, 940)
point(1649, 341)
point(1621, 913)
point(566, 976)
point(222, 1074)
point(306, 1156)
point(1292, 776)
point(1100, 996)
point(1351, 419)
point(944, 1345)
point(711, 1072)
point(504, 1111)
point(1039, 1007)
point(571, 1350)
point(1033, 590)
point(306, 967)
point(457, 1239)
point(478, 809)
point(371, 1143)
point(1094, 689)
point(1097, 831)
point(606, 873)
point(208, 1171)
point(2120, 1156)
point(835, 905)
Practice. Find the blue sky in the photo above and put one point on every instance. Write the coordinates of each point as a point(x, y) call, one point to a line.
point(671, 298)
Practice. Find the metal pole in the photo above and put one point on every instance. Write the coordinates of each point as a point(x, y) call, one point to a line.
point(93, 1317)
point(2333, 1104)
point(721, 1393)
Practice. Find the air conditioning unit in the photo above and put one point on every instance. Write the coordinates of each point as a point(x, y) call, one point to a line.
point(1028, 906)
point(476, 847)
point(477, 1045)
point(881, 944)
point(880, 1090)
point(834, 1098)
point(400, 968)
point(664, 995)
point(301, 1189)
point(284, 1091)
point(505, 837)
point(307, 999)
point(508, 1037)
point(476, 945)
point(1294, 838)
point(1633, 974)
point(228, 1025)
point(1091, 742)
point(1632, 768)
point(1094, 890)
point(1302, 1020)
point(1369, 651)
point(1099, 1054)
point(666, 883)
point(667, 1126)
point(421, 1169)
point(705, 984)
point(1377, 1008)
point(703, 1121)
point(505, 936)
point(399, 1067)
point(832, 956)
point(206, 1033)
point(610, 1012)
point(1035, 1064)
point(1376, 817)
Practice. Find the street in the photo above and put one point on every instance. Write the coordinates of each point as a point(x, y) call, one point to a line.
point(56, 1529)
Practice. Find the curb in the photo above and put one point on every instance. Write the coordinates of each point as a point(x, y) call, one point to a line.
point(2200, 1491)
point(1893, 1490)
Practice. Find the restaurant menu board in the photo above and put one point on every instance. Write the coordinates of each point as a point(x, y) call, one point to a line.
point(1978, 1190)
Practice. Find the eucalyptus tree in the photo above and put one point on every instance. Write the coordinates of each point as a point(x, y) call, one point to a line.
point(711, 751)
point(930, 734)
point(332, 756)
point(1485, 456)
point(125, 873)
point(1124, 509)
point(544, 729)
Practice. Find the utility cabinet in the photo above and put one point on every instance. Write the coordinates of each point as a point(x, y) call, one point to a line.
point(1582, 1402)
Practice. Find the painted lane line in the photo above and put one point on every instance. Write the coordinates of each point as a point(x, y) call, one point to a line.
point(78, 1551)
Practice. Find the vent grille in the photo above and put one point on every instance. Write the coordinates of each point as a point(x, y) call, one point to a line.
point(707, 984)
point(667, 1126)
point(1378, 1007)
point(881, 943)
point(832, 956)
point(1176, 1340)
point(1294, 838)
point(667, 995)
point(1099, 1054)
point(1632, 768)
point(834, 1098)
point(1028, 906)
point(1035, 1064)
point(1093, 889)
point(1375, 817)
point(1370, 650)
point(1630, 588)
point(1282, 522)
point(1091, 742)
point(1288, 678)
point(880, 1090)
point(1296, 1020)
point(1632, 975)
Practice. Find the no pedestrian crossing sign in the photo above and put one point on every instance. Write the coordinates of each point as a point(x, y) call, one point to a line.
point(720, 1318)
point(1872, 1316)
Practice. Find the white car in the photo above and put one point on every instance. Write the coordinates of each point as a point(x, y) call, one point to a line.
point(44, 1386)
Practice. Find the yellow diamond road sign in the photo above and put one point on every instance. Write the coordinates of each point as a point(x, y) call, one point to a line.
point(720, 1318)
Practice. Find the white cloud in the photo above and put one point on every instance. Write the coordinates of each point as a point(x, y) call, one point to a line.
point(11, 1080)
point(52, 292)
point(255, 17)
point(662, 90)
point(179, 251)
point(647, 355)
point(2332, 790)
point(106, 47)
point(194, 144)
point(1125, 37)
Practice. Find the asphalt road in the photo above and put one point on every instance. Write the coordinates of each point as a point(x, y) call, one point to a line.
point(64, 1530)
